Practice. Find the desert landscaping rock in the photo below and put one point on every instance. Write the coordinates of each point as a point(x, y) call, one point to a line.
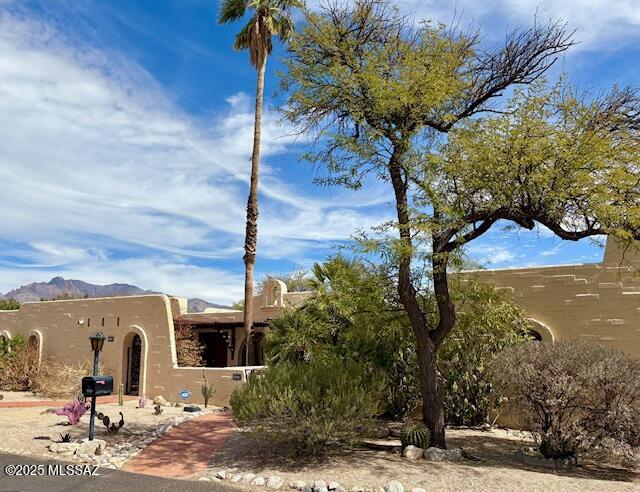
point(236, 478)
point(259, 481)
point(306, 488)
point(97, 446)
point(320, 486)
point(336, 486)
point(413, 453)
point(437, 454)
point(248, 477)
point(297, 484)
point(160, 400)
point(418, 489)
point(394, 486)
point(204, 479)
point(275, 482)
point(222, 474)
point(64, 447)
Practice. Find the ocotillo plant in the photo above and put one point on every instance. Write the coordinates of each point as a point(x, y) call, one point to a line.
point(207, 391)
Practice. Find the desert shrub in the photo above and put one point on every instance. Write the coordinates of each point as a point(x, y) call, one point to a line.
point(18, 365)
point(189, 350)
point(488, 321)
point(352, 316)
point(61, 379)
point(307, 406)
point(573, 396)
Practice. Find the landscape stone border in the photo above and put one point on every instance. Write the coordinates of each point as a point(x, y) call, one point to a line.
point(275, 482)
point(115, 456)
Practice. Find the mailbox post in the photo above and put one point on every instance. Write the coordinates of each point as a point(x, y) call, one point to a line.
point(97, 341)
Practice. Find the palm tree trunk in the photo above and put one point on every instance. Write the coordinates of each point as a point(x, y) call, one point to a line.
point(251, 233)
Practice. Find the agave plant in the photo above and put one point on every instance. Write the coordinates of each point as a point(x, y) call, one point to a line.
point(66, 437)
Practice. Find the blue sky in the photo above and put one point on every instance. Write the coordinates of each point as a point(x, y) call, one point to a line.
point(126, 137)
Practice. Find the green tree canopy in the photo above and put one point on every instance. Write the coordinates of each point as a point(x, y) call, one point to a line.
point(428, 109)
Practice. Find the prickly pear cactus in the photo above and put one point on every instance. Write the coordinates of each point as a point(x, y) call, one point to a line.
point(416, 434)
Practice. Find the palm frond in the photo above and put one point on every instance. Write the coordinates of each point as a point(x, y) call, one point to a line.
point(232, 10)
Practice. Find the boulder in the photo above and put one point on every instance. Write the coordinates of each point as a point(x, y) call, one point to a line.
point(297, 484)
point(258, 481)
point(413, 453)
point(95, 447)
point(64, 447)
point(159, 400)
point(222, 474)
point(204, 479)
point(306, 488)
point(275, 482)
point(437, 454)
point(418, 489)
point(191, 408)
point(236, 478)
point(394, 486)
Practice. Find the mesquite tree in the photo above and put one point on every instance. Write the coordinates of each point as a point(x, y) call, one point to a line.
point(468, 136)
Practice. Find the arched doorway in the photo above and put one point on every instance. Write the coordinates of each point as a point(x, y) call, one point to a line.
point(34, 344)
point(4, 344)
point(539, 331)
point(133, 358)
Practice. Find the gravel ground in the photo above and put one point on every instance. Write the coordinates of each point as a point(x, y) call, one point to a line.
point(499, 469)
point(31, 430)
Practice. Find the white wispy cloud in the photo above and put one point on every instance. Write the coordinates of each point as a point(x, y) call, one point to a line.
point(96, 157)
point(599, 24)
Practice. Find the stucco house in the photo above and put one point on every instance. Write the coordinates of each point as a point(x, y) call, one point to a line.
point(597, 301)
point(592, 301)
point(139, 351)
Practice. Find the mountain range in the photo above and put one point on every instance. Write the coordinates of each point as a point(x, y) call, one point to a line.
point(60, 288)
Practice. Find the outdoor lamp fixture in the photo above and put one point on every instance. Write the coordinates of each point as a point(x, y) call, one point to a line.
point(97, 341)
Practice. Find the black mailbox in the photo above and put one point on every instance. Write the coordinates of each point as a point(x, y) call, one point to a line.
point(97, 385)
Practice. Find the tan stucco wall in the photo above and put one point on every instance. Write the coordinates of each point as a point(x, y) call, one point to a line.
point(598, 302)
point(64, 328)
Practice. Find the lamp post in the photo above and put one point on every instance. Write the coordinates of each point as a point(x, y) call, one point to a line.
point(97, 341)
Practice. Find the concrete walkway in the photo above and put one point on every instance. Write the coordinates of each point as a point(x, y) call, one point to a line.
point(186, 449)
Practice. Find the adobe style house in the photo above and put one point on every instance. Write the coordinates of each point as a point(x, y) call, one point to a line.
point(140, 350)
point(593, 301)
point(598, 302)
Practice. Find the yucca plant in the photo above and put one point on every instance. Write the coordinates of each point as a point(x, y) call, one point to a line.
point(416, 434)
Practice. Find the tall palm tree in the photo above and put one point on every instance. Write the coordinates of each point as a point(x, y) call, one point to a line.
point(269, 18)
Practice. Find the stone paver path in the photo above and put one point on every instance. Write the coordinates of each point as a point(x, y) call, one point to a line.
point(185, 449)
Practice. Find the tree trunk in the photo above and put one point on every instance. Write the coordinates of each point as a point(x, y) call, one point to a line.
point(251, 233)
point(432, 402)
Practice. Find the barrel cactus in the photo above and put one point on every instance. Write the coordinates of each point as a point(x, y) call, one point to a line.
point(416, 434)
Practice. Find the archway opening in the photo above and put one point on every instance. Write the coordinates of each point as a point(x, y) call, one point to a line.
point(535, 336)
point(33, 344)
point(132, 357)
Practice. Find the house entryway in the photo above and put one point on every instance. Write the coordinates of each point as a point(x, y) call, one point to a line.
point(132, 356)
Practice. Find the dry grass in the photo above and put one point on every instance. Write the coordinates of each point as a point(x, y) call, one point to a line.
point(56, 379)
